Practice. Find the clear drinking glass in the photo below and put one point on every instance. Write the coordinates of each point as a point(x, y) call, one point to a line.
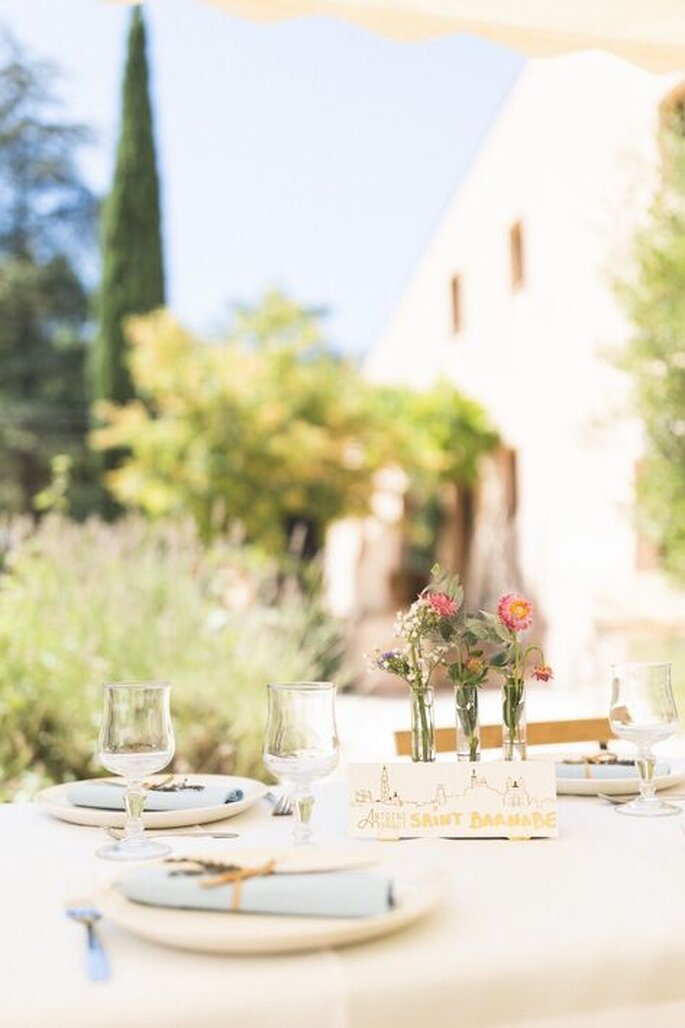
point(301, 743)
point(136, 741)
point(643, 710)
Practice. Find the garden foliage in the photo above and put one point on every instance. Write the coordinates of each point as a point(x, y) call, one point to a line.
point(655, 303)
point(270, 427)
point(85, 604)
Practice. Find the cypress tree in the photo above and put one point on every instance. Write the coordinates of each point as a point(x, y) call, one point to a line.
point(133, 270)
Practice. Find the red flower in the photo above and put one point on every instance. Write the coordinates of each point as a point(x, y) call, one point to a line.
point(441, 603)
point(542, 672)
point(515, 611)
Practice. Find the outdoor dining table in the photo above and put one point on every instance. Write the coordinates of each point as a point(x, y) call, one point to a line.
point(584, 930)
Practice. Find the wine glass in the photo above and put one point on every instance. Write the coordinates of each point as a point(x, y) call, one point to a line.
point(643, 710)
point(136, 740)
point(301, 743)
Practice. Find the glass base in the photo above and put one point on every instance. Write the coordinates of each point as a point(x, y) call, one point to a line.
point(653, 807)
point(303, 802)
point(300, 841)
point(145, 849)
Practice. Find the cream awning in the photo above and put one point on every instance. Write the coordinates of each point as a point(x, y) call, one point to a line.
point(649, 32)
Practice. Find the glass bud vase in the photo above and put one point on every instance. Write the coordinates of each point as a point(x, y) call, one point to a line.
point(468, 725)
point(514, 720)
point(422, 725)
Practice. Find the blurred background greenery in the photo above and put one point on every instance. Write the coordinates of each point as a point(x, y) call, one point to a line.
point(235, 456)
point(89, 603)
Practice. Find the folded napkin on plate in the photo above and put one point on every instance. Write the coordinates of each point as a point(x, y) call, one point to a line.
point(111, 797)
point(588, 770)
point(334, 894)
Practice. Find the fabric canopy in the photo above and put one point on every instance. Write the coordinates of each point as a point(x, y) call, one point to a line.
point(648, 32)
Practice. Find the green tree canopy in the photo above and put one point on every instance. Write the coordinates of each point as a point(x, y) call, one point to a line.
point(655, 303)
point(46, 225)
point(441, 433)
point(270, 427)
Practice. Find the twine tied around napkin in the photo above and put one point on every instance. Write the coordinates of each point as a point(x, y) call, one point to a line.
point(605, 757)
point(227, 874)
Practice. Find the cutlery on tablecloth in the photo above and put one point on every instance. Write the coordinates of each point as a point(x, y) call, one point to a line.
point(97, 964)
point(627, 797)
point(197, 833)
point(282, 805)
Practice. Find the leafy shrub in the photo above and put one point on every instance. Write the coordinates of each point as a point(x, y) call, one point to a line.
point(85, 604)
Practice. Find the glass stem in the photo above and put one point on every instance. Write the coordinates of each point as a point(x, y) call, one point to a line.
point(646, 763)
point(303, 804)
point(134, 800)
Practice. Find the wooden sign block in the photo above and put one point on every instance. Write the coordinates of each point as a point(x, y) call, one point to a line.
point(489, 799)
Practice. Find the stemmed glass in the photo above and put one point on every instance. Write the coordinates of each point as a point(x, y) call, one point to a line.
point(136, 740)
point(643, 710)
point(301, 743)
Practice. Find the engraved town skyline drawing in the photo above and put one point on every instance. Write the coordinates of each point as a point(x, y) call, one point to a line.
point(494, 798)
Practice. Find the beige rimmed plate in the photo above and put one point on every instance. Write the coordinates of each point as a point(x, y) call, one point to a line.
point(616, 786)
point(418, 890)
point(54, 800)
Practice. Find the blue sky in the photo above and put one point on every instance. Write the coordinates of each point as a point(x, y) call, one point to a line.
point(311, 155)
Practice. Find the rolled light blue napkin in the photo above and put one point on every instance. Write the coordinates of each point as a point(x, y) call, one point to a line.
point(597, 771)
point(334, 894)
point(111, 797)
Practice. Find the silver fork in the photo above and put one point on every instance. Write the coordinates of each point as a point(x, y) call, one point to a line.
point(283, 805)
point(97, 964)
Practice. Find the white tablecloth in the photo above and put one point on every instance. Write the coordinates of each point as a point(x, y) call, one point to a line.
point(586, 931)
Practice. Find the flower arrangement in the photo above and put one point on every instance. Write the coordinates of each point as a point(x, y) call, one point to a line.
point(427, 630)
point(437, 632)
point(512, 659)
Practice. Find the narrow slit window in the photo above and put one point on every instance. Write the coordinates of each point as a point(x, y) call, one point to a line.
point(517, 256)
point(457, 303)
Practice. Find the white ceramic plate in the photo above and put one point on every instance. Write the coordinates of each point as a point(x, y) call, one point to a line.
point(616, 786)
point(418, 890)
point(54, 800)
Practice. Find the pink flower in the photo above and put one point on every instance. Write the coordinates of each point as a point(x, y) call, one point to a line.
point(515, 611)
point(542, 672)
point(441, 603)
